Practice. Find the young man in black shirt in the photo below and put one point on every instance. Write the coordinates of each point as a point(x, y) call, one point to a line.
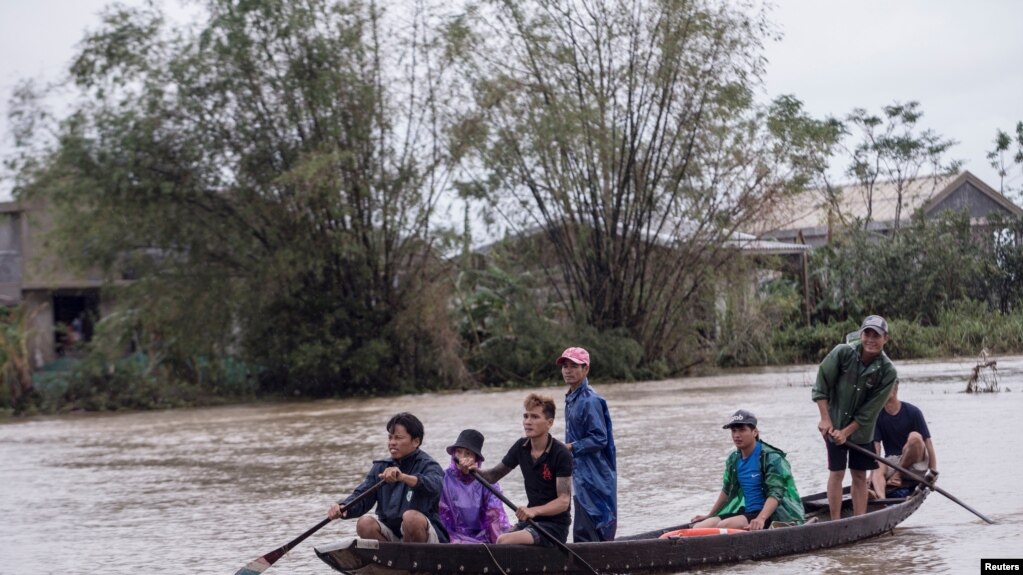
point(546, 471)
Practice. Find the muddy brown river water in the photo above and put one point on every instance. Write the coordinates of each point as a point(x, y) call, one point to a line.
point(207, 490)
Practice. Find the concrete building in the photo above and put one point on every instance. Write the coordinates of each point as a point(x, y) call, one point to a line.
point(58, 301)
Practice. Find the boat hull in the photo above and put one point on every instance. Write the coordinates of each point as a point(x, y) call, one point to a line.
point(642, 553)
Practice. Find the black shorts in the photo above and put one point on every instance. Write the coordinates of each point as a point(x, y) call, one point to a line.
point(750, 516)
point(838, 455)
point(558, 530)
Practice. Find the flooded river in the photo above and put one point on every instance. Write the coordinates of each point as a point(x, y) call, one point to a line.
point(208, 490)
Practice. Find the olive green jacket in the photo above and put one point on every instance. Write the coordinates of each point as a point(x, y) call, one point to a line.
point(777, 482)
point(854, 391)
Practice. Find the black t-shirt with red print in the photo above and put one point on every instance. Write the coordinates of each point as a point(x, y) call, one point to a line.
point(540, 476)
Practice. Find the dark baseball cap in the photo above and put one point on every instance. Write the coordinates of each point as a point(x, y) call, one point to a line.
point(741, 417)
point(876, 323)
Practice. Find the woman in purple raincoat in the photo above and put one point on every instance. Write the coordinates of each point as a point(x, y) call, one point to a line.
point(470, 513)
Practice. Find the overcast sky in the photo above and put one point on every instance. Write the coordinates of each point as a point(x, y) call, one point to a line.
point(962, 60)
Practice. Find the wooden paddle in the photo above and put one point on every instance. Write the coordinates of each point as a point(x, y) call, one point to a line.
point(257, 566)
point(907, 473)
point(534, 524)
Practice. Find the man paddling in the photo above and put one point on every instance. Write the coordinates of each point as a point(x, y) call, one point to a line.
point(407, 504)
point(546, 471)
point(853, 383)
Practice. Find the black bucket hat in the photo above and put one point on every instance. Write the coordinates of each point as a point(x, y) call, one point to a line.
point(469, 439)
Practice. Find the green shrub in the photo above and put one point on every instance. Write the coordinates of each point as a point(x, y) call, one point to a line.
point(968, 327)
point(910, 340)
point(963, 329)
point(801, 344)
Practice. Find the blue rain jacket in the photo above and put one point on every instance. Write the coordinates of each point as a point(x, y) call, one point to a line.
point(594, 471)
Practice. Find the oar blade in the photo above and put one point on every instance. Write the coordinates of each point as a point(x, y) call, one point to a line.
point(263, 563)
point(254, 567)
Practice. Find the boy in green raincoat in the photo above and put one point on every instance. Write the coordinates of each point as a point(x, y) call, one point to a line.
point(758, 488)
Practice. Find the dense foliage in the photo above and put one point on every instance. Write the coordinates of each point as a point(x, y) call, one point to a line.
point(269, 182)
point(914, 275)
point(627, 135)
point(268, 195)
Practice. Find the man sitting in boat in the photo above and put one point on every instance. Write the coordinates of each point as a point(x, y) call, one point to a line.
point(903, 431)
point(853, 383)
point(758, 488)
point(407, 503)
point(470, 512)
point(546, 471)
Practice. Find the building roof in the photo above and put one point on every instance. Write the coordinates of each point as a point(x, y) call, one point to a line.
point(750, 244)
point(747, 243)
point(810, 213)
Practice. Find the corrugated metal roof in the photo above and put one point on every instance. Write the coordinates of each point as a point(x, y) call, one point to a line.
point(768, 246)
point(810, 209)
point(748, 243)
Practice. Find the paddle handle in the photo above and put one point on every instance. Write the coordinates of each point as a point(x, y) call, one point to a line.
point(532, 523)
point(273, 556)
point(361, 496)
point(276, 554)
point(287, 546)
point(916, 477)
point(492, 489)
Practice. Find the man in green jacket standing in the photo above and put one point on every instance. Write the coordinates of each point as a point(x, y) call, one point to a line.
point(853, 384)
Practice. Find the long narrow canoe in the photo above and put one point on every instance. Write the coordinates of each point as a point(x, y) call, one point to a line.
point(641, 553)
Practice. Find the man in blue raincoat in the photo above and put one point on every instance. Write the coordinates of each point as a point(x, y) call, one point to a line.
point(589, 436)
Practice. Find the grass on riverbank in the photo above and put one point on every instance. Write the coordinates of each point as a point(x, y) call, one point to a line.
point(134, 384)
point(961, 332)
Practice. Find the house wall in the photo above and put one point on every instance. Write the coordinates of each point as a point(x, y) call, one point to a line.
point(32, 276)
point(967, 197)
point(41, 268)
point(41, 348)
point(10, 258)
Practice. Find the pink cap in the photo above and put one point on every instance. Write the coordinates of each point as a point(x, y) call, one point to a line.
point(576, 355)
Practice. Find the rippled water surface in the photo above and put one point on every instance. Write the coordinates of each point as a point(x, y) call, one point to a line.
point(206, 491)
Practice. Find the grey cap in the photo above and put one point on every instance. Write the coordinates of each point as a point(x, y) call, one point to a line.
point(741, 417)
point(876, 323)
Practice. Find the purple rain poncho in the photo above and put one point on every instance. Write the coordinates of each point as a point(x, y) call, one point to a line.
point(470, 513)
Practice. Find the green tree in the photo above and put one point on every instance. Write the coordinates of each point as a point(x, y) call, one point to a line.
point(864, 272)
point(1008, 145)
point(627, 134)
point(270, 181)
point(893, 151)
point(15, 370)
point(1004, 248)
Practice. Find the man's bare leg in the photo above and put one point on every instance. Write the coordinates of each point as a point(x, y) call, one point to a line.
point(859, 491)
point(368, 528)
point(877, 480)
point(415, 527)
point(835, 493)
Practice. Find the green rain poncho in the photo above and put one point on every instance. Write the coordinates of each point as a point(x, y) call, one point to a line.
point(853, 390)
point(778, 483)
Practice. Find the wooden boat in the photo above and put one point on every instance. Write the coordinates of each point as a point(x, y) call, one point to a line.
point(641, 553)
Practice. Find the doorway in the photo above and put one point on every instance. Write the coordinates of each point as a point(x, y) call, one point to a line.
point(74, 315)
